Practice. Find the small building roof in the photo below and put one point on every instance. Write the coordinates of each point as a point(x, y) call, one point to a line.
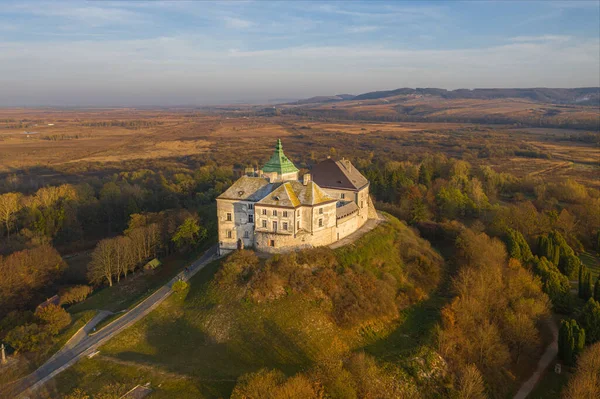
point(292, 194)
point(279, 163)
point(55, 300)
point(338, 174)
point(248, 188)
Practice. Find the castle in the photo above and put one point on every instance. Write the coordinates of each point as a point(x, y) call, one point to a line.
point(272, 211)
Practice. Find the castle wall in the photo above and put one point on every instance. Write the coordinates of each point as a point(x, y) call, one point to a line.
point(239, 225)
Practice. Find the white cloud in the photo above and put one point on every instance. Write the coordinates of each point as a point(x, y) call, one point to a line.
point(237, 23)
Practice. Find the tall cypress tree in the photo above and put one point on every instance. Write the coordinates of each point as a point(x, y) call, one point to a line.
point(556, 255)
point(579, 338)
point(588, 286)
point(597, 290)
point(580, 289)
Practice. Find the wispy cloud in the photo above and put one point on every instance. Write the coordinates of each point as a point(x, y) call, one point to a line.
point(541, 38)
point(237, 23)
point(362, 29)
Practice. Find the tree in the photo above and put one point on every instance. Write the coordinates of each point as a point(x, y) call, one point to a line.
point(590, 320)
point(74, 294)
point(585, 383)
point(597, 289)
point(471, 384)
point(102, 266)
point(28, 338)
point(53, 317)
point(188, 234)
point(10, 204)
point(24, 272)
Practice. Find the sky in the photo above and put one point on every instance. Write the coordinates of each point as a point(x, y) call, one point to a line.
point(174, 53)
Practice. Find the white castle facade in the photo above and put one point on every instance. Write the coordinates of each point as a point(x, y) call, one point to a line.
point(276, 212)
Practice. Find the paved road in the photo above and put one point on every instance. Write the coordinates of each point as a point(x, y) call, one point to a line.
point(543, 363)
point(89, 343)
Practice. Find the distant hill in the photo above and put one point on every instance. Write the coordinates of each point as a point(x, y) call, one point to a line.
point(325, 99)
point(580, 96)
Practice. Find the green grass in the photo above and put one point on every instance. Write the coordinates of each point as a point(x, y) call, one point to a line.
point(550, 385)
point(592, 262)
point(136, 287)
point(197, 343)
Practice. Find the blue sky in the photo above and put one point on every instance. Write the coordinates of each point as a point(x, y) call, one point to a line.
point(200, 52)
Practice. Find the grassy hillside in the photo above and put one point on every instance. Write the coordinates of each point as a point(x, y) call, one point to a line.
point(325, 313)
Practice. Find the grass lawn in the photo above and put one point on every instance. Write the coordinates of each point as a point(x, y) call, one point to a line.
point(592, 262)
point(133, 289)
point(550, 385)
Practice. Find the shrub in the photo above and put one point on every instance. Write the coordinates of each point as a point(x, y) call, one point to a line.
point(28, 338)
point(180, 286)
point(54, 317)
point(74, 294)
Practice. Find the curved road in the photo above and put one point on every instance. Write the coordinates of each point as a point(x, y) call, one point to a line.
point(66, 357)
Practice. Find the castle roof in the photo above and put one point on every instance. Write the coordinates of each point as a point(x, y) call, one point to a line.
point(292, 194)
point(248, 188)
point(279, 163)
point(338, 174)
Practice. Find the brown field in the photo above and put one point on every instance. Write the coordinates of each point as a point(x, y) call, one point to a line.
point(90, 140)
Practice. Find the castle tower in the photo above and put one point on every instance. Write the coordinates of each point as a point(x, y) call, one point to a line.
point(279, 168)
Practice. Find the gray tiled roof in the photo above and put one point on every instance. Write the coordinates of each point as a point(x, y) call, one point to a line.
point(338, 174)
point(248, 188)
point(293, 193)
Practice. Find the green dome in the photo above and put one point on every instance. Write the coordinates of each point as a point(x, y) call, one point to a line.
point(279, 162)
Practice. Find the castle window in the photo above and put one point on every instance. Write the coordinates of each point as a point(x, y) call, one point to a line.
point(298, 225)
point(284, 214)
point(229, 234)
point(343, 196)
point(298, 213)
point(362, 204)
point(274, 226)
point(246, 234)
point(250, 218)
point(250, 206)
point(271, 243)
point(264, 211)
point(320, 211)
point(275, 212)
point(264, 224)
point(229, 217)
point(285, 226)
point(320, 222)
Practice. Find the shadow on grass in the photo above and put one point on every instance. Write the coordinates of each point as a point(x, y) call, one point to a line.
point(416, 329)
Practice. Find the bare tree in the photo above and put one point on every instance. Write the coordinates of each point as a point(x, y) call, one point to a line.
point(103, 263)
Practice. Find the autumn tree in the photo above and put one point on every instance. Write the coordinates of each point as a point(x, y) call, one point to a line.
point(10, 204)
point(585, 383)
point(53, 317)
point(74, 294)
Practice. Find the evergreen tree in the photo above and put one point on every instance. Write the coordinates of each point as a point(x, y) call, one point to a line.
point(588, 286)
point(579, 338)
point(580, 281)
point(597, 290)
point(555, 256)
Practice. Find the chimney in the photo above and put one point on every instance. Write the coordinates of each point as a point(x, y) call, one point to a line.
point(306, 178)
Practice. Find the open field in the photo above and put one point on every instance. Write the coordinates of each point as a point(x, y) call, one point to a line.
point(92, 141)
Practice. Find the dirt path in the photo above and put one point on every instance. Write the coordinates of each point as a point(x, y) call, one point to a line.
point(547, 358)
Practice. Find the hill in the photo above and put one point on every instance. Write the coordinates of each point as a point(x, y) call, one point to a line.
point(582, 96)
point(306, 311)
